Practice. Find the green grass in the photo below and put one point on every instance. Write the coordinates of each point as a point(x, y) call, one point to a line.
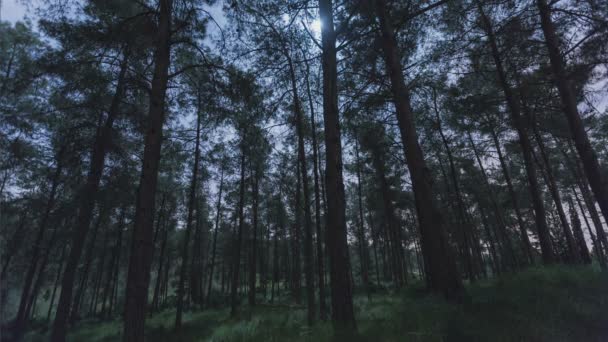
point(543, 304)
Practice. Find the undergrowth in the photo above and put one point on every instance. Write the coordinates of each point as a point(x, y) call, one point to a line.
point(540, 304)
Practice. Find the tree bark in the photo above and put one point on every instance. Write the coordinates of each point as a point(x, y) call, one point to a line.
point(138, 278)
point(343, 315)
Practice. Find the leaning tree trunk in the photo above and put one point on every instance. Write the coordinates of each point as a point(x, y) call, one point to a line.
point(343, 315)
point(526, 146)
point(442, 274)
point(85, 211)
point(138, 278)
point(597, 179)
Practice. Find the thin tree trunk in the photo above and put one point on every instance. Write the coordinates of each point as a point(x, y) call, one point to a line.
point(578, 234)
point(161, 260)
point(254, 240)
point(319, 242)
point(308, 254)
point(84, 276)
point(192, 203)
point(464, 223)
point(361, 234)
point(13, 244)
point(527, 246)
point(237, 247)
point(573, 252)
point(21, 317)
point(52, 301)
point(497, 210)
point(217, 227)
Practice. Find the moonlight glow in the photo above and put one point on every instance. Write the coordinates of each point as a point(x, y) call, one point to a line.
point(315, 26)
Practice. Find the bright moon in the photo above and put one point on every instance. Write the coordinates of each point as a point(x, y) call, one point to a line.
point(315, 26)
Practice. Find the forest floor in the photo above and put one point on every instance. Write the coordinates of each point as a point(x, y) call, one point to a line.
point(541, 304)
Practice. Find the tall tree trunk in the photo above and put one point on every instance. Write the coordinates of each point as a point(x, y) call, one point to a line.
point(84, 274)
point(442, 275)
point(589, 202)
point(578, 234)
point(254, 240)
point(21, 318)
point(597, 179)
point(510, 252)
point(192, 204)
point(464, 223)
point(573, 252)
point(88, 197)
point(308, 254)
point(138, 278)
point(527, 246)
point(218, 216)
point(56, 285)
point(40, 278)
point(343, 315)
point(237, 247)
point(524, 141)
point(361, 233)
point(296, 270)
point(319, 241)
point(161, 261)
point(14, 244)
